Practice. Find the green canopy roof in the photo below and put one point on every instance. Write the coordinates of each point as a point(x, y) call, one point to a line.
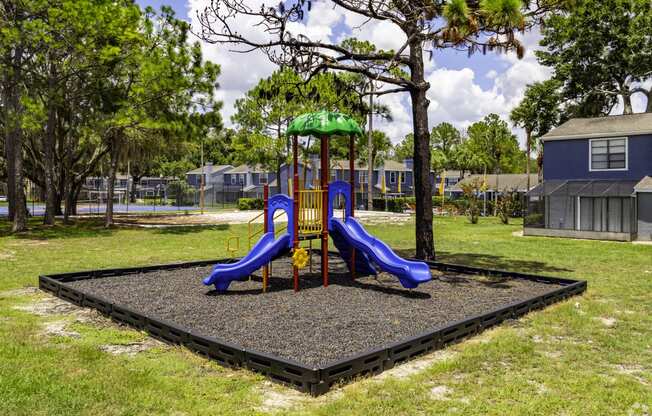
point(323, 123)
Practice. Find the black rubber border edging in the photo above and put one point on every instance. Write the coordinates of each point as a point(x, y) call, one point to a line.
point(315, 381)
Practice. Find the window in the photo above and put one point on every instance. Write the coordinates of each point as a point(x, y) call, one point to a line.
point(234, 179)
point(403, 180)
point(262, 178)
point(241, 179)
point(608, 154)
point(392, 177)
point(364, 177)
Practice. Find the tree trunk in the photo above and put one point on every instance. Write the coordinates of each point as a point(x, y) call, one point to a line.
point(425, 245)
point(113, 171)
point(627, 103)
point(72, 196)
point(7, 94)
point(48, 152)
point(15, 178)
point(648, 107)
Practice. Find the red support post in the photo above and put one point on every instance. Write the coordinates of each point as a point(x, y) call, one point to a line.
point(295, 205)
point(265, 230)
point(325, 176)
point(352, 183)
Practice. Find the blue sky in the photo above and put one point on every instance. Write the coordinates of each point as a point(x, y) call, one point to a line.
point(463, 89)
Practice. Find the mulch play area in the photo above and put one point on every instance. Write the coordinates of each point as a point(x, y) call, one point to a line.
point(316, 326)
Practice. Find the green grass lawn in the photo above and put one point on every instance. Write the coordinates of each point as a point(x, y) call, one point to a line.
point(590, 355)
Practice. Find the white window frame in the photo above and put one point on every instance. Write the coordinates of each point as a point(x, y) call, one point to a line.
point(241, 179)
point(234, 179)
point(403, 178)
point(607, 169)
point(392, 177)
point(364, 176)
point(260, 178)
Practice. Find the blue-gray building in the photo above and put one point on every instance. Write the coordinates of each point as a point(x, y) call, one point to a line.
point(596, 180)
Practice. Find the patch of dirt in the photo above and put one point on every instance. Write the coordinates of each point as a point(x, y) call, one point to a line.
point(607, 321)
point(518, 233)
point(276, 399)
point(440, 393)
point(539, 387)
point(133, 348)
point(29, 243)
point(24, 291)
point(48, 306)
point(7, 255)
point(59, 329)
point(639, 409)
point(553, 355)
point(633, 370)
point(409, 368)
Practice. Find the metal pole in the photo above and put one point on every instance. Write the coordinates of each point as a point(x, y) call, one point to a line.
point(324, 208)
point(352, 184)
point(128, 183)
point(265, 230)
point(370, 162)
point(201, 186)
point(295, 206)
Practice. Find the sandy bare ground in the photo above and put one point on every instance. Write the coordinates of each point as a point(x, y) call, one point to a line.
point(243, 217)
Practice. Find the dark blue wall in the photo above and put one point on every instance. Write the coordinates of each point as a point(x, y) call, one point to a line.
point(569, 159)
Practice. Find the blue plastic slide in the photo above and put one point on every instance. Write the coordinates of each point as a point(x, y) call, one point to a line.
point(266, 249)
point(409, 273)
point(363, 266)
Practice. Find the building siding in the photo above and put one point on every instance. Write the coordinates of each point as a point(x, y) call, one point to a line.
point(569, 159)
point(645, 216)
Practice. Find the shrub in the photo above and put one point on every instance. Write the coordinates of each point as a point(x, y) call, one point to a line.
point(534, 220)
point(181, 192)
point(378, 204)
point(393, 204)
point(248, 204)
point(471, 191)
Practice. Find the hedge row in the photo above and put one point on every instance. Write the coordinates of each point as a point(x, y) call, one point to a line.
point(248, 204)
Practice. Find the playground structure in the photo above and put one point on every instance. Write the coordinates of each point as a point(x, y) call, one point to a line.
point(310, 216)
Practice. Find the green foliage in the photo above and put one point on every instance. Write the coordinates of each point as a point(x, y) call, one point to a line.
point(393, 204)
point(181, 192)
point(380, 150)
point(249, 204)
point(445, 141)
point(491, 146)
point(504, 207)
point(503, 13)
point(539, 111)
point(471, 190)
point(600, 50)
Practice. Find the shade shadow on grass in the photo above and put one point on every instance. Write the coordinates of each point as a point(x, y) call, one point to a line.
point(492, 262)
point(182, 229)
point(78, 228)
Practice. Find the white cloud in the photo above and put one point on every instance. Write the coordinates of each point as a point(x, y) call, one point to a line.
point(455, 95)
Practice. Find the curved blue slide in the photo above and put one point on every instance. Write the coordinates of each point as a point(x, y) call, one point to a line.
point(266, 249)
point(409, 273)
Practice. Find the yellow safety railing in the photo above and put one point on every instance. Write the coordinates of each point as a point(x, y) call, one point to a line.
point(229, 248)
point(310, 212)
point(253, 231)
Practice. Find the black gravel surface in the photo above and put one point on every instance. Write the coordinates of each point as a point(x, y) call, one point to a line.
point(317, 325)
